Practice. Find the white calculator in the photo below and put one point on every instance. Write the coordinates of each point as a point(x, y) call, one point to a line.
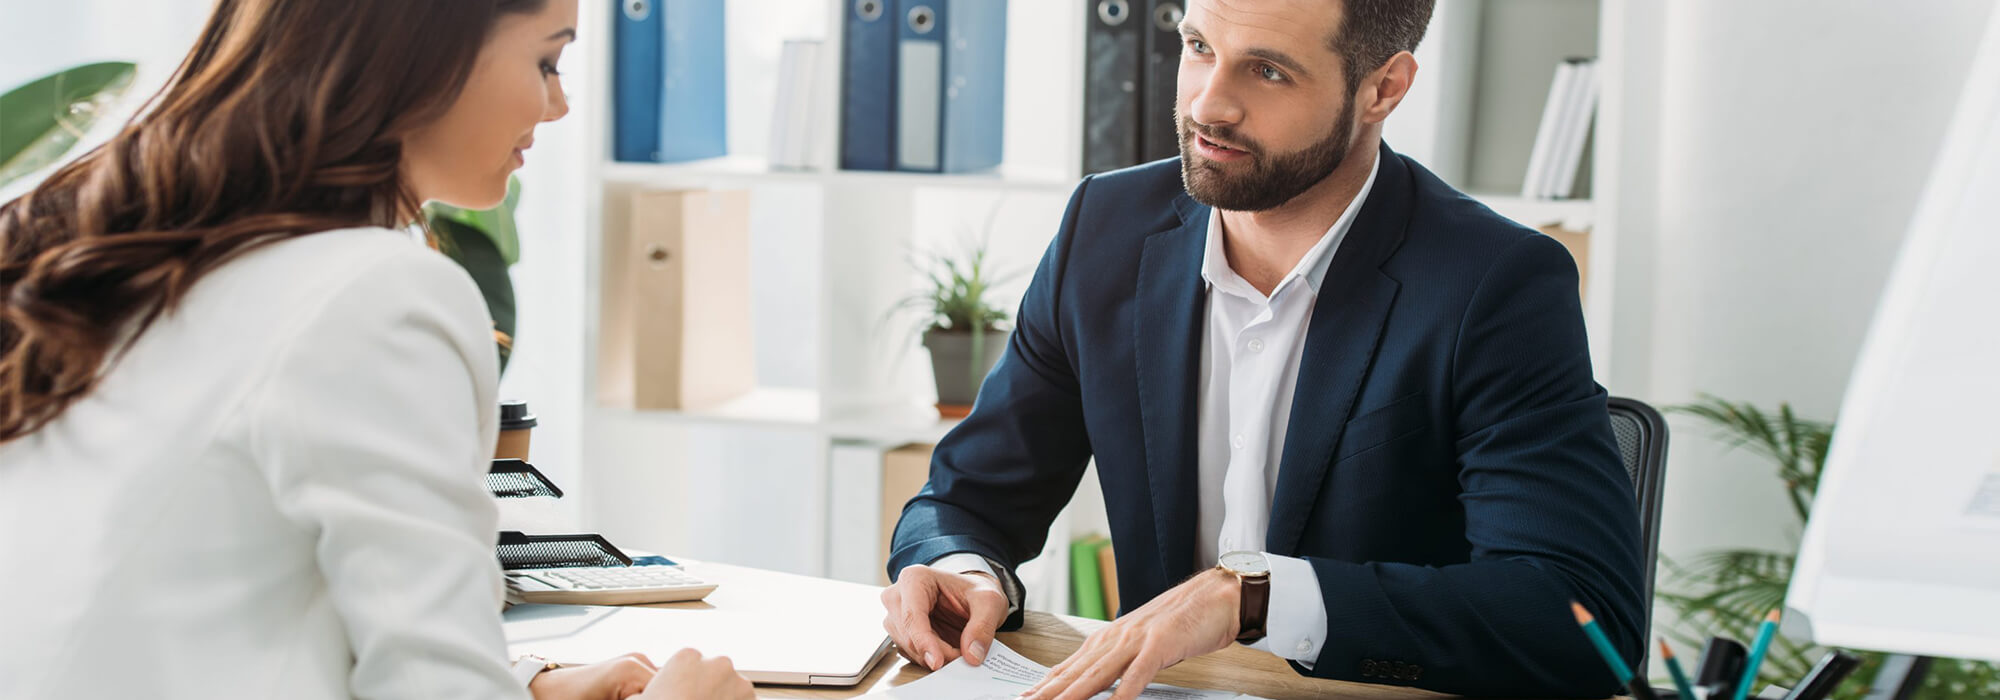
point(650, 579)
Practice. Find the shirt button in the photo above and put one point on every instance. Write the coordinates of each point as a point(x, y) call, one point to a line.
point(1305, 646)
point(1237, 441)
point(1256, 345)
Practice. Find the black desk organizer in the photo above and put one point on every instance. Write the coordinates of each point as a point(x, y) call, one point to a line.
point(513, 478)
point(518, 551)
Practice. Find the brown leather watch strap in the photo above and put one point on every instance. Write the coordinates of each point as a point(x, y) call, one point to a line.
point(1256, 606)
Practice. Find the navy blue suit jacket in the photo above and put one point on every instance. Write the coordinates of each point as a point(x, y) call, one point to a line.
point(1449, 470)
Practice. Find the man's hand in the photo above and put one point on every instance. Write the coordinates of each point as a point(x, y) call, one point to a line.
point(1194, 618)
point(934, 616)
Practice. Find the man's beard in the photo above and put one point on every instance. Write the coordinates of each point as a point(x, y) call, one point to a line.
point(1272, 180)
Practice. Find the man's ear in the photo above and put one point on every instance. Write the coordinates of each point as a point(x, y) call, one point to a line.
point(1385, 88)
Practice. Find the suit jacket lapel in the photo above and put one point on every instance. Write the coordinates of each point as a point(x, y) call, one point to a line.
point(1171, 298)
point(1341, 342)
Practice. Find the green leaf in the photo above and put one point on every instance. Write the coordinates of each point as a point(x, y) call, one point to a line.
point(42, 120)
point(496, 223)
point(958, 297)
point(485, 243)
point(473, 250)
point(1797, 446)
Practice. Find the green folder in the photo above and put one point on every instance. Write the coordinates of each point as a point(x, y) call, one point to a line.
point(1086, 577)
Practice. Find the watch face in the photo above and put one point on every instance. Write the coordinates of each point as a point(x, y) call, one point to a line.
point(1246, 563)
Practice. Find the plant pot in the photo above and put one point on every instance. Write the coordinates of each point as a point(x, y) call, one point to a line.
point(956, 370)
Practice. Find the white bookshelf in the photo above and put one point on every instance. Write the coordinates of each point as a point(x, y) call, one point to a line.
point(747, 481)
point(1572, 214)
point(1483, 77)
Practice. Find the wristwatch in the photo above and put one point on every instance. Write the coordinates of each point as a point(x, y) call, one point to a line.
point(1253, 571)
point(527, 667)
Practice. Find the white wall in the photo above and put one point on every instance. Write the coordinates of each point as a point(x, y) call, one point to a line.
point(44, 37)
point(1792, 139)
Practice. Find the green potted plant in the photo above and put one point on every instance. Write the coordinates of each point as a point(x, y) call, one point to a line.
point(1726, 593)
point(960, 324)
point(486, 244)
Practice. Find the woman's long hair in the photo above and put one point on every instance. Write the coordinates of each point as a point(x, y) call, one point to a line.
point(286, 119)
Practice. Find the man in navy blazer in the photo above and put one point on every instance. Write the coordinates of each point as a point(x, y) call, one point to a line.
point(1339, 411)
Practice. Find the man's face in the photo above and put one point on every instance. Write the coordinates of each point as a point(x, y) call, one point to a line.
point(1262, 110)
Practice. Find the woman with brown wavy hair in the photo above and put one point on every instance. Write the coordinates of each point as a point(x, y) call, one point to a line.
point(244, 417)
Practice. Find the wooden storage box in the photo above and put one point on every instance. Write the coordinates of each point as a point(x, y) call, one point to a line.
point(675, 324)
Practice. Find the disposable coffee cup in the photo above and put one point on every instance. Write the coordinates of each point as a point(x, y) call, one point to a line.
point(515, 423)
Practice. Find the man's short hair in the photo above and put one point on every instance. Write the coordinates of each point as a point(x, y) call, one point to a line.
point(1373, 31)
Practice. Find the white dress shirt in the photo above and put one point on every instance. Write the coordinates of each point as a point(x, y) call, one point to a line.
point(1252, 345)
point(1251, 348)
point(277, 492)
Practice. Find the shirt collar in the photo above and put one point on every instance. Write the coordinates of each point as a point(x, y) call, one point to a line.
point(1312, 268)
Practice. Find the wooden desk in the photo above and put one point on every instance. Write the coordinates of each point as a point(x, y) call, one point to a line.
point(1046, 638)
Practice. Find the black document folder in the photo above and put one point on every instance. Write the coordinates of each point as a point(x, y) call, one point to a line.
point(1114, 33)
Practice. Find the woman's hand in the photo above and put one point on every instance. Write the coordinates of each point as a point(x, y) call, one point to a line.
point(614, 679)
point(689, 676)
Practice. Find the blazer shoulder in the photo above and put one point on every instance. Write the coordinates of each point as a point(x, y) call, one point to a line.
point(1143, 198)
point(1450, 230)
point(1158, 182)
point(1113, 213)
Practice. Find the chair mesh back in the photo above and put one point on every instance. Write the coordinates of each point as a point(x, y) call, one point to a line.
point(1628, 430)
point(1642, 447)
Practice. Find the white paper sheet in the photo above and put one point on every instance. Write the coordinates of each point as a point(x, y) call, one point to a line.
point(1899, 554)
point(1006, 674)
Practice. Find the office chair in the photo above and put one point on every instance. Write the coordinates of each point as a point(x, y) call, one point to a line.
point(1642, 447)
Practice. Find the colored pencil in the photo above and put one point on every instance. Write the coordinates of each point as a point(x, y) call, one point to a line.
point(1763, 644)
point(1640, 688)
point(1681, 684)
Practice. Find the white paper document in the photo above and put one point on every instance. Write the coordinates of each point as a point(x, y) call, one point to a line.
point(1899, 553)
point(1005, 675)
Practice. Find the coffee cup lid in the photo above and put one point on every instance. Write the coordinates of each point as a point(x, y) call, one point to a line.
point(514, 415)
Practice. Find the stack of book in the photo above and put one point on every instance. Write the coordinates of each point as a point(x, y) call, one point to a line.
point(796, 131)
point(1093, 578)
point(1559, 141)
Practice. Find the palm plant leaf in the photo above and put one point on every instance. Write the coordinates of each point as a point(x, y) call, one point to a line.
point(1727, 593)
point(1797, 446)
